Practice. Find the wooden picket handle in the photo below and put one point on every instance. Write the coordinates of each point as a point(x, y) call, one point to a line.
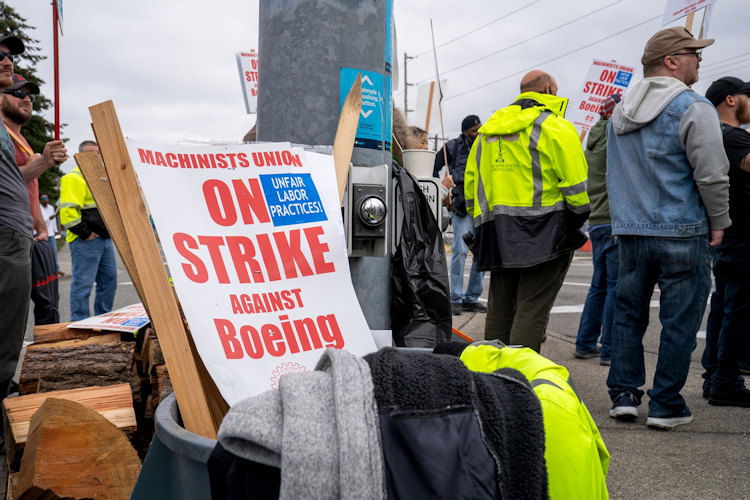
point(346, 131)
point(201, 407)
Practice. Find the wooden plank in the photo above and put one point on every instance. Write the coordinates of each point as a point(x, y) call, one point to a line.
point(114, 402)
point(59, 331)
point(95, 173)
point(192, 391)
point(101, 338)
point(74, 452)
point(346, 131)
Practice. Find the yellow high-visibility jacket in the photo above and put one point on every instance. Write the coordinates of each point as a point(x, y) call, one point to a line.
point(525, 185)
point(576, 457)
point(76, 201)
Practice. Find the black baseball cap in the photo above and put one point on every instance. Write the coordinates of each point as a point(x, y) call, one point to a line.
point(728, 85)
point(470, 121)
point(20, 82)
point(14, 44)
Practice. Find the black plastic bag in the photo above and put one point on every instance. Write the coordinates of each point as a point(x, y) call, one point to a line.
point(420, 291)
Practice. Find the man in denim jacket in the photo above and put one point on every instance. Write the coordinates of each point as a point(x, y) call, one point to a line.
point(669, 201)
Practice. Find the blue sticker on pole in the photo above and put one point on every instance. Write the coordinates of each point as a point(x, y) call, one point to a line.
point(292, 199)
point(375, 114)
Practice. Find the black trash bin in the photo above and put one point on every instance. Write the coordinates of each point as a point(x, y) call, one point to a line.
point(176, 465)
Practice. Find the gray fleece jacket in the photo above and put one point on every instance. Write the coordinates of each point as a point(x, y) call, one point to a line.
point(320, 428)
point(699, 134)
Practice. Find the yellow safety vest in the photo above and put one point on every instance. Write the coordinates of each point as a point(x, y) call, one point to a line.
point(74, 197)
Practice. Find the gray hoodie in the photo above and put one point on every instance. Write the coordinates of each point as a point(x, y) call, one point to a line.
point(320, 428)
point(699, 133)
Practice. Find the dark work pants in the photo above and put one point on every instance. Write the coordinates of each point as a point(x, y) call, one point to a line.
point(44, 290)
point(15, 290)
point(520, 301)
point(727, 338)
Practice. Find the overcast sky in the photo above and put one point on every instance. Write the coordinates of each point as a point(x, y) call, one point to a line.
point(170, 67)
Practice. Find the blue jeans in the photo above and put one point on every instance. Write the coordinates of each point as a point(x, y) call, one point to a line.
point(93, 261)
point(598, 311)
point(682, 268)
point(53, 244)
point(727, 340)
point(461, 226)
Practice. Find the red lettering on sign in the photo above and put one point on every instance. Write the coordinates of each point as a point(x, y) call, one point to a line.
point(196, 271)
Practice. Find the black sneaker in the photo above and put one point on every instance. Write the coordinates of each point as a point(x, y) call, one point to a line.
point(476, 307)
point(738, 398)
point(605, 361)
point(588, 354)
point(456, 308)
point(667, 423)
point(624, 407)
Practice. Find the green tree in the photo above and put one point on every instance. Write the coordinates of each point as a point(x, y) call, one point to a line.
point(38, 131)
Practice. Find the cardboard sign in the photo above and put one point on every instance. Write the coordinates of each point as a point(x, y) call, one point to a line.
point(247, 63)
point(677, 9)
point(603, 79)
point(254, 241)
point(374, 128)
point(129, 319)
point(427, 112)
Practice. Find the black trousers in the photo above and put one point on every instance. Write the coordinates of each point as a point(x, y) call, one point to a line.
point(520, 301)
point(44, 289)
point(15, 290)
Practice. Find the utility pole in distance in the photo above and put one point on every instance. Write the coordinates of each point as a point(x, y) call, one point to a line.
point(406, 86)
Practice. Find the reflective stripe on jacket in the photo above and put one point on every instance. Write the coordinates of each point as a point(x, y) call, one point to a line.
point(576, 457)
point(75, 197)
point(525, 184)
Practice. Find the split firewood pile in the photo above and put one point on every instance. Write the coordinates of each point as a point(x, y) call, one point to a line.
point(112, 383)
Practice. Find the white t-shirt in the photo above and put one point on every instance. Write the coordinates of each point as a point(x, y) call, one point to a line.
point(48, 212)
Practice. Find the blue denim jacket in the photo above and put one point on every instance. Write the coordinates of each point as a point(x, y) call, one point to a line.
point(650, 181)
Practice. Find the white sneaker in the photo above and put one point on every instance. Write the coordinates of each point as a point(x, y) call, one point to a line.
point(667, 423)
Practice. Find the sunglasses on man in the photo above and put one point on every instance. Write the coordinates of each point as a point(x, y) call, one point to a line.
point(20, 93)
point(3, 55)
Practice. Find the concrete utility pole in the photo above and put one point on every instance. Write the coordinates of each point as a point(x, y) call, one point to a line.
point(303, 45)
point(406, 86)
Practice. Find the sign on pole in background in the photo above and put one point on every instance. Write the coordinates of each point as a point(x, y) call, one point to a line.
point(427, 113)
point(603, 79)
point(374, 128)
point(247, 63)
point(677, 9)
point(129, 319)
point(258, 257)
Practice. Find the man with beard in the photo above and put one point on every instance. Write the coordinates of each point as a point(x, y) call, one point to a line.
point(458, 151)
point(669, 200)
point(727, 341)
point(16, 107)
point(16, 227)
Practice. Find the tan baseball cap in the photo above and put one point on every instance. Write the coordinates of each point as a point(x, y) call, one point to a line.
point(670, 41)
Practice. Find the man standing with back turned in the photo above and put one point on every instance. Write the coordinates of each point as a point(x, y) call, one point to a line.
point(525, 187)
point(91, 249)
point(669, 200)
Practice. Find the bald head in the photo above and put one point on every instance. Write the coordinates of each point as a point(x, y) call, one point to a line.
point(539, 81)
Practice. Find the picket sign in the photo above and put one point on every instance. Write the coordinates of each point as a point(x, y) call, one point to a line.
point(603, 79)
point(201, 406)
point(257, 256)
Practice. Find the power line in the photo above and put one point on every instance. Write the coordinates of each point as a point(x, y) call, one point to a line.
point(555, 58)
point(527, 40)
point(479, 28)
point(714, 63)
point(193, 126)
point(714, 73)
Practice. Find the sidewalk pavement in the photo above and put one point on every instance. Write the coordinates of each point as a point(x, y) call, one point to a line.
point(708, 458)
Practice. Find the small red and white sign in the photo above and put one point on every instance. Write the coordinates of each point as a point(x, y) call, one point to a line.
point(247, 63)
point(677, 9)
point(129, 319)
point(603, 79)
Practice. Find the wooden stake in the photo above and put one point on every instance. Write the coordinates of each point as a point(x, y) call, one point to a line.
point(689, 21)
point(193, 393)
point(95, 173)
point(429, 106)
point(346, 131)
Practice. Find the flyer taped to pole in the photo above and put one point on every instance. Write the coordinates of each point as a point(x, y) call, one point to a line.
point(254, 241)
